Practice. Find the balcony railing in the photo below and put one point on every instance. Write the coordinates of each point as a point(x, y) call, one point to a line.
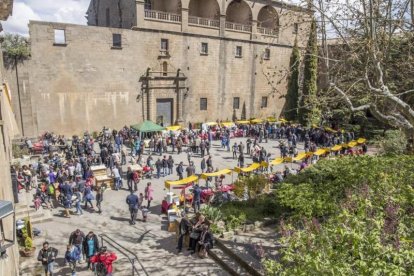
point(266, 31)
point(204, 22)
point(162, 16)
point(239, 27)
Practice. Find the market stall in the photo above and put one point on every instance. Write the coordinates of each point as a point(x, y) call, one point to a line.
point(147, 127)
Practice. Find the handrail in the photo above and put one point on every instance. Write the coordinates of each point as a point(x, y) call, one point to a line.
point(110, 241)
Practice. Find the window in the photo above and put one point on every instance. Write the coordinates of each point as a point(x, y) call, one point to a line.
point(164, 44)
point(236, 103)
point(116, 40)
point(266, 54)
point(108, 18)
point(203, 103)
point(239, 51)
point(295, 28)
point(60, 37)
point(204, 48)
point(264, 102)
point(147, 5)
point(165, 69)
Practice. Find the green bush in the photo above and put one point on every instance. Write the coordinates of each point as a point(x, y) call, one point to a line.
point(28, 243)
point(350, 216)
point(393, 143)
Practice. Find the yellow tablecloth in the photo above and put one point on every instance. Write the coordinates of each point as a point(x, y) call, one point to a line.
point(213, 174)
point(251, 168)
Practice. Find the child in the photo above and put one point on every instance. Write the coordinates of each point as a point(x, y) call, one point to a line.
point(144, 211)
point(37, 202)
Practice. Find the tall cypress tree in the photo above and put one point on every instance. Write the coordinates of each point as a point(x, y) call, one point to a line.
point(292, 95)
point(308, 110)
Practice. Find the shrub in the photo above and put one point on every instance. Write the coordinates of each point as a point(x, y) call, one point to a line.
point(393, 143)
point(28, 243)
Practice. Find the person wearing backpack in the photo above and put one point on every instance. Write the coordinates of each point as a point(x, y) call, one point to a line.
point(72, 256)
point(50, 195)
point(103, 261)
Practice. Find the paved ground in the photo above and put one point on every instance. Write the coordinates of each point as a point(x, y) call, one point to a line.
point(152, 243)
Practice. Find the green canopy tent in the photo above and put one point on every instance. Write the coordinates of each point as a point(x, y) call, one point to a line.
point(147, 127)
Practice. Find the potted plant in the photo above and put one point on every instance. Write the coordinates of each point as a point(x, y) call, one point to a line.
point(27, 249)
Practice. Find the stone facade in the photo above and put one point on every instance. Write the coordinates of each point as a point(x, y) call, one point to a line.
point(8, 130)
point(86, 83)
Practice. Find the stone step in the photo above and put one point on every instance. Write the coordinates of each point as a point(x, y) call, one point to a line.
point(227, 263)
point(242, 258)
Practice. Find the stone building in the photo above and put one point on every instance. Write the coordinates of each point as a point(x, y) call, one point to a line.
point(9, 256)
point(167, 61)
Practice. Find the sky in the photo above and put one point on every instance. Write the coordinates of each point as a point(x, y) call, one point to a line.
point(68, 11)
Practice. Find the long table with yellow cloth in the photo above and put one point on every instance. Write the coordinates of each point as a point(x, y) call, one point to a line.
point(214, 174)
point(183, 182)
point(251, 168)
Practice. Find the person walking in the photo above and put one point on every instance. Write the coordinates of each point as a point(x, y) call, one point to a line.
point(203, 165)
point(90, 247)
point(78, 201)
point(117, 176)
point(103, 261)
point(235, 148)
point(47, 256)
point(129, 176)
point(149, 191)
point(158, 166)
point(76, 239)
point(72, 256)
point(99, 199)
point(132, 201)
point(180, 170)
point(196, 198)
point(170, 164)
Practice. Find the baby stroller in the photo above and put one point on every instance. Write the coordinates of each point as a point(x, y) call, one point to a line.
point(147, 172)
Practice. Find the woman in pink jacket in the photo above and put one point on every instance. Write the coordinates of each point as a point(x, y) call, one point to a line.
point(149, 194)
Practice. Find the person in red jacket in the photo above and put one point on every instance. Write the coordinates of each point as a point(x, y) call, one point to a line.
point(103, 261)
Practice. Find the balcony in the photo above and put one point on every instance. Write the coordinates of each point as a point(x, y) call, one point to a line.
point(269, 32)
point(192, 20)
point(162, 16)
point(239, 27)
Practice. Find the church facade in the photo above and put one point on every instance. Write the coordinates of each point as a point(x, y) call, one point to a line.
point(166, 61)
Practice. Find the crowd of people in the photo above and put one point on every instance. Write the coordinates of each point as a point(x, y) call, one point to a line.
point(63, 176)
point(80, 249)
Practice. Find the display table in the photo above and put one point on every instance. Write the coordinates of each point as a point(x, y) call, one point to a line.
point(101, 176)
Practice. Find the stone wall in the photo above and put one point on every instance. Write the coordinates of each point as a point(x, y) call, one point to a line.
point(8, 130)
point(87, 84)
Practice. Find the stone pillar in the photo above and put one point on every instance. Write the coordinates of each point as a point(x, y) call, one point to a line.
point(140, 5)
point(222, 25)
point(255, 35)
point(184, 20)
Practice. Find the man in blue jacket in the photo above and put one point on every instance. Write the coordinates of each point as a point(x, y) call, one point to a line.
point(132, 201)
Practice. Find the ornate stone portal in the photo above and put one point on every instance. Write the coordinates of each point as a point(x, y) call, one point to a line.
point(162, 96)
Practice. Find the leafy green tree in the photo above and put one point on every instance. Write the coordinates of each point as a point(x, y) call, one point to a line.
point(15, 50)
point(308, 111)
point(292, 95)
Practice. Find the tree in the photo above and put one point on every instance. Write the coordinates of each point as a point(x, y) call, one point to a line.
point(292, 95)
point(369, 67)
point(308, 111)
point(15, 50)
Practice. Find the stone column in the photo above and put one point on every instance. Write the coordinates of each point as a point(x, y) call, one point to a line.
point(222, 25)
point(255, 35)
point(184, 20)
point(140, 5)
